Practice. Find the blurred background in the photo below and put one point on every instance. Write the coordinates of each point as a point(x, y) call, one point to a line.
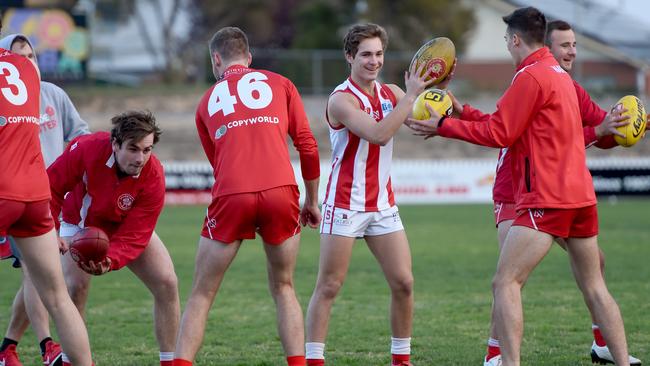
point(114, 55)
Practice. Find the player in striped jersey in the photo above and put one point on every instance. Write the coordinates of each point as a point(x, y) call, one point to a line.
point(363, 116)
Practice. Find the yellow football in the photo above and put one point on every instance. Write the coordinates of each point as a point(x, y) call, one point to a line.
point(638, 120)
point(438, 99)
point(437, 54)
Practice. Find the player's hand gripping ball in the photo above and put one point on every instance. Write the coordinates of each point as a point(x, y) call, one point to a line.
point(89, 244)
point(438, 55)
point(638, 120)
point(436, 98)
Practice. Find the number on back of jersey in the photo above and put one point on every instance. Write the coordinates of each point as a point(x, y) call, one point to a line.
point(252, 91)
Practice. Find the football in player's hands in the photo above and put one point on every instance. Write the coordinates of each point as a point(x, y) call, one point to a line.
point(89, 244)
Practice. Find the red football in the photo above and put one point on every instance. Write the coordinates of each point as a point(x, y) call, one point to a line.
point(89, 244)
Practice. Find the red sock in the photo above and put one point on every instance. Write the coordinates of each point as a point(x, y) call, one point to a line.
point(598, 337)
point(296, 361)
point(401, 358)
point(492, 351)
point(181, 362)
point(166, 363)
point(315, 362)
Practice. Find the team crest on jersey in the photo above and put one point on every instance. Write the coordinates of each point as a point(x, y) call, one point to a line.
point(221, 131)
point(125, 201)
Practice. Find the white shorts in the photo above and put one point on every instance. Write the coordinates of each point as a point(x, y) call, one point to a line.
point(68, 230)
point(357, 224)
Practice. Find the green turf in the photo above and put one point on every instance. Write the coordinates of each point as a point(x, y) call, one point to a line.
point(454, 251)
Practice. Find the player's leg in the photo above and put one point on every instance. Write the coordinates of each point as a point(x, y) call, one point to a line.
point(586, 269)
point(40, 320)
point(493, 356)
point(41, 255)
point(77, 281)
point(522, 251)
point(281, 262)
point(212, 260)
point(18, 324)
point(394, 256)
point(334, 260)
point(155, 269)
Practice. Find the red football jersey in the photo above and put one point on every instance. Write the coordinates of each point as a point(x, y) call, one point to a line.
point(243, 122)
point(21, 163)
point(126, 208)
point(538, 119)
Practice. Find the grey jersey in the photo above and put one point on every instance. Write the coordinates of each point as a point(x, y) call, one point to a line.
point(60, 122)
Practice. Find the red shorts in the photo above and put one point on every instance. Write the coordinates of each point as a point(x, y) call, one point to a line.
point(274, 213)
point(25, 219)
point(564, 223)
point(504, 211)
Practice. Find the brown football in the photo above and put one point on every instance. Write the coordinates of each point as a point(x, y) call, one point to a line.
point(437, 54)
point(89, 244)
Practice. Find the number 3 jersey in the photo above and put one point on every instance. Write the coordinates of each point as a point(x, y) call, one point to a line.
point(21, 163)
point(243, 122)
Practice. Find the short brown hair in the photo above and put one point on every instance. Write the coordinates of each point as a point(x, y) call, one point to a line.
point(134, 125)
point(360, 32)
point(529, 23)
point(230, 42)
point(555, 25)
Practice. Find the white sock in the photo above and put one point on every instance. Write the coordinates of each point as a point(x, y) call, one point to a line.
point(493, 342)
point(64, 357)
point(315, 351)
point(400, 346)
point(594, 326)
point(166, 356)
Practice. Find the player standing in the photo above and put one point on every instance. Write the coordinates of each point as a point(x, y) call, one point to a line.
point(599, 127)
point(363, 116)
point(25, 196)
point(59, 123)
point(538, 118)
point(120, 185)
point(243, 122)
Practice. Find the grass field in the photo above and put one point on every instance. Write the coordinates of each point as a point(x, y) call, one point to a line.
point(454, 256)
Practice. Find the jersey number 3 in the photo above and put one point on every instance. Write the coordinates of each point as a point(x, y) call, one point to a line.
point(13, 79)
point(252, 91)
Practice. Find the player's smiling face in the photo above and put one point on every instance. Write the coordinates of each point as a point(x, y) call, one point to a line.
point(368, 61)
point(132, 156)
point(563, 47)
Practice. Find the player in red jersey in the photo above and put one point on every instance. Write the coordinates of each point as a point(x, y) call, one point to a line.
point(59, 123)
point(24, 199)
point(363, 116)
point(599, 128)
point(243, 122)
point(549, 176)
point(120, 187)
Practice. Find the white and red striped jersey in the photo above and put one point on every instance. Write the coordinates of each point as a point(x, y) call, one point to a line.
point(360, 178)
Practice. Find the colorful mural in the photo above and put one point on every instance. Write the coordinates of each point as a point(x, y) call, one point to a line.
point(60, 39)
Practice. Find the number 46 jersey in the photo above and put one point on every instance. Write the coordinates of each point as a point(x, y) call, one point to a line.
point(22, 169)
point(243, 122)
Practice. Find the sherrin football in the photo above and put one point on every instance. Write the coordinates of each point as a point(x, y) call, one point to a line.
point(437, 54)
point(89, 244)
point(438, 99)
point(638, 120)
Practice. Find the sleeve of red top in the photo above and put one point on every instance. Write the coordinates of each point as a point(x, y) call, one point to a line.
point(504, 126)
point(204, 135)
point(302, 136)
point(64, 174)
point(134, 233)
point(470, 113)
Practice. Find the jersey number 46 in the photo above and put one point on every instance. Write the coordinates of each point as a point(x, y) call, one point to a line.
point(252, 91)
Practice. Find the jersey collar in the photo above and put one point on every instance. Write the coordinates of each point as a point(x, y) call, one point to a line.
point(534, 57)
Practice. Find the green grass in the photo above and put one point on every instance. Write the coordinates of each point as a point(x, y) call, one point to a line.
point(454, 251)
